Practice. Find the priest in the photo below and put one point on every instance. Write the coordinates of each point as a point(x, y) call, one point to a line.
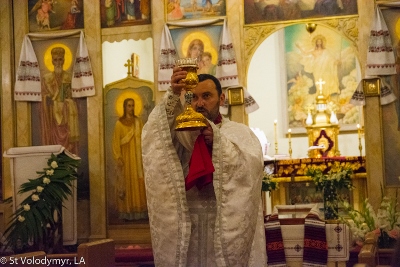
point(203, 187)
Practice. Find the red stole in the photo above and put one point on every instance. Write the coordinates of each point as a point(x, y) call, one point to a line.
point(200, 166)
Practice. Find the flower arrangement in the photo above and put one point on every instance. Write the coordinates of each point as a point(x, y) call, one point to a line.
point(35, 222)
point(337, 177)
point(385, 222)
point(268, 182)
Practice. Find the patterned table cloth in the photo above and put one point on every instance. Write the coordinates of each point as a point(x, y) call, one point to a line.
point(337, 237)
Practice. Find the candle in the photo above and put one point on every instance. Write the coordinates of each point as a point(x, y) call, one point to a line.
point(276, 137)
point(359, 139)
point(290, 142)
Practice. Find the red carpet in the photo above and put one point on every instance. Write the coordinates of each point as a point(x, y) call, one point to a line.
point(134, 256)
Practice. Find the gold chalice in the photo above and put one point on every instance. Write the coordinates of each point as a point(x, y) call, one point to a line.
point(189, 120)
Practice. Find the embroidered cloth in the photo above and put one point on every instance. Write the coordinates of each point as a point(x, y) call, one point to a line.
point(358, 97)
point(27, 85)
point(313, 243)
point(28, 81)
point(82, 77)
point(380, 55)
point(315, 248)
point(273, 238)
point(226, 67)
point(167, 59)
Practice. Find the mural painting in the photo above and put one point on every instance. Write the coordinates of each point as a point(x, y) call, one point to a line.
point(200, 43)
point(59, 118)
point(273, 11)
point(119, 13)
point(326, 55)
point(47, 15)
point(128, 104)
point(194, 9)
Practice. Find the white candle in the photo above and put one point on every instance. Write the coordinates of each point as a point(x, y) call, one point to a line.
point(276, 137)
point(359, 130)
point(290, 142)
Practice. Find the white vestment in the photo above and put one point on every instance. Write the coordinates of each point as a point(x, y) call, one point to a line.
point(219, 225)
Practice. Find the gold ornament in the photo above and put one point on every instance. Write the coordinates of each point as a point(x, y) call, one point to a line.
point(189, 120)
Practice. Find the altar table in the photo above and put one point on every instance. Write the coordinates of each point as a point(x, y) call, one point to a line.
point(290, 174)
point(292, 224)
point(337, 237)
point(298, 167)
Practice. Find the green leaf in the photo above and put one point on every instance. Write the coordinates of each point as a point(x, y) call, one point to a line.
point(42, 211)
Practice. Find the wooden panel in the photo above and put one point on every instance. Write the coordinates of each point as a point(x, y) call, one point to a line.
point(96, 253)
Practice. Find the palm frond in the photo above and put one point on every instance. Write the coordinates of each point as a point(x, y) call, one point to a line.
point(47, 192)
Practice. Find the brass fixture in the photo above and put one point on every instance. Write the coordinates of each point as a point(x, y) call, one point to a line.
point(310, 27)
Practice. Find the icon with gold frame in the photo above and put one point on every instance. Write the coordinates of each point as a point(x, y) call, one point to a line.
point(235, 96)
point(371, 87)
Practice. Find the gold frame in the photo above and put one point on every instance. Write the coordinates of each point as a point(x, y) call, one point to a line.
point(214, 14)
point(332, 131)
point(372, 86)
point(235, 96)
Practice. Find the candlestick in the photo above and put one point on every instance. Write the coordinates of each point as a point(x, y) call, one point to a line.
point(276, 137)
point(290, 142)
point(359, 139)
point(309, 120)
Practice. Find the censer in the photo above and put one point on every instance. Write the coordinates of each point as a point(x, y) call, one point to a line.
point(189, 120)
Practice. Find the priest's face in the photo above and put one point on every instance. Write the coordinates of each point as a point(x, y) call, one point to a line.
point(206, 99)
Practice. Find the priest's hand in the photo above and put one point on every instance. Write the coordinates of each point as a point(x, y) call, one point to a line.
point(177, 83)
point(208, 134)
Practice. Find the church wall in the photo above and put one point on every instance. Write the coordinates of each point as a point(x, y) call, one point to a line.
point(7, 63)
point(16, 127)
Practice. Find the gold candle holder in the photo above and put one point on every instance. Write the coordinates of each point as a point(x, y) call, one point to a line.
point(189, 120)
point(276, 138)
point(290, 142)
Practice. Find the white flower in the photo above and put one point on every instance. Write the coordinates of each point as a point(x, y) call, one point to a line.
point(46, 180)
point(39, 188)
point(21, 218)
point(27, 207)
point(54, 164)
point(35, 197)
point(50, 172)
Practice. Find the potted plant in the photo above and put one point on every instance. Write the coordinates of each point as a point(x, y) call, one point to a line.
point(37, 223)
point(384, 222)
